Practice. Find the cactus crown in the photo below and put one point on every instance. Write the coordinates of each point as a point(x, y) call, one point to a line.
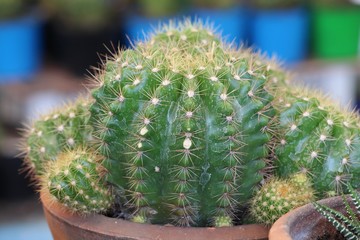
point(183, 119)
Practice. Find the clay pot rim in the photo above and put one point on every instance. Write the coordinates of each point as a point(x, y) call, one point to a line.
point(281, 228)
point(113, 227)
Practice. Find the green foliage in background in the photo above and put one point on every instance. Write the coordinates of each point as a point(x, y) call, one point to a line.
point(83, 14)
point(11, 8)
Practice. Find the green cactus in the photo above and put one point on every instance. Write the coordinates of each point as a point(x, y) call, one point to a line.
point(74, 180)
point(184, 121)
point(320, 139)
point(347, 225)
point(279, 196)
point(64, 128)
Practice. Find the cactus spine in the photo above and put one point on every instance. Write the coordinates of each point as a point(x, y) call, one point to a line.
point(317, 138)
point(348, 225)
point(182, 120)
point(74, 180)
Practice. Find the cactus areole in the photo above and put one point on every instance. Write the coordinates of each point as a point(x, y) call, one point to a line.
point(183, 120)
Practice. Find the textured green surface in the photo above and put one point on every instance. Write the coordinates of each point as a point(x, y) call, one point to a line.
point(184, 121)
point(74, 180)
point(279, 196)
point(318, 138)
point(349, 224)
point(65, 128)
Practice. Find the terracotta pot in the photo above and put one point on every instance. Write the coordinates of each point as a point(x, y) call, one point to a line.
point(65, 225)
point(305, 223)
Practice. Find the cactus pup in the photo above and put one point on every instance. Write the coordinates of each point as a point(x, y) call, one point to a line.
point(74, 180)
point(64, 128)
point(318, 138)
point(279, 196)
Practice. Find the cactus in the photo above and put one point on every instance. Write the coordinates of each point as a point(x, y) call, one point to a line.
point(64, 128)
point(279, 196)
point(320, 139)
point(185, 125)
point(348, 226)
point(184, 121)
point(74, 180)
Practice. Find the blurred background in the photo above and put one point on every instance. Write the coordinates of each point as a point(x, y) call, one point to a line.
point(47, 48)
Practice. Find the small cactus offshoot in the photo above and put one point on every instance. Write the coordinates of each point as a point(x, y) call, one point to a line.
point(317, 138)
point(65, 128)
point(75, 181)
point(348, 226)
point(279, 196)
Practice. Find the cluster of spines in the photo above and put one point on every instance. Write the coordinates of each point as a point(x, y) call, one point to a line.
point(348, 226)
point(184, 119)
point(318, 138)
point(64, 128)
point(75, 181)
point(279, 196)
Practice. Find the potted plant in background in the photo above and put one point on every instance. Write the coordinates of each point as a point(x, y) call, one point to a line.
point(280, 28)
point(147, 16)
point(332, 218)
point(229, 15)
point(80, 30)
point(336, 28)
point(180, 130)
point(20, 41)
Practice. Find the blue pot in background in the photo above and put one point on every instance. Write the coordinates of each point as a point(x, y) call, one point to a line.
point(232, 22)
point(281, 33)
point(20, 48)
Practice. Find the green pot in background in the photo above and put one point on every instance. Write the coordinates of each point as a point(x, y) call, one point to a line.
point(336, 31)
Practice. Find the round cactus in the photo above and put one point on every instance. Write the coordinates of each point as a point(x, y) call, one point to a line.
point(64, 128)
point(75, 181)
point(320, 139)
point(277, 197)
point(184, 121)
